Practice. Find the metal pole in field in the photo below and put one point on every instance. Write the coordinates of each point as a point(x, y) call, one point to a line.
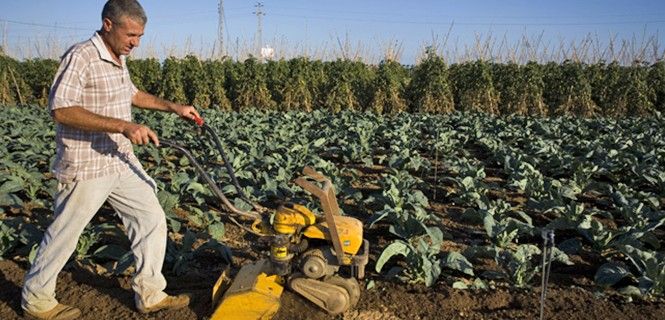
point(259, 29)
point(548, 254)
point(3, 44)
point(220, 29)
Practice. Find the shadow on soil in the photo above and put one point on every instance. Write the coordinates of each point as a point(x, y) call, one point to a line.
point(10, 294)
point(109, 287)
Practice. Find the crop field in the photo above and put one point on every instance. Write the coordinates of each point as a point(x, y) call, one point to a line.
point(454, 207)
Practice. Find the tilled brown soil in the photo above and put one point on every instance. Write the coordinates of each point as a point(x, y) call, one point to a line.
point(110, 298)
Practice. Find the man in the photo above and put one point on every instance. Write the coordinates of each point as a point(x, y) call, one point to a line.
point(90, 101)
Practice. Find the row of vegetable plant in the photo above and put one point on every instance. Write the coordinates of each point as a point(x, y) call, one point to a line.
point(598, 183)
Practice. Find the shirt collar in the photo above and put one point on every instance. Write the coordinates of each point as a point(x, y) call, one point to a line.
point(104, 53)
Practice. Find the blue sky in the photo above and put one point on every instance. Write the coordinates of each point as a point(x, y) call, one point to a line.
point(329, 29)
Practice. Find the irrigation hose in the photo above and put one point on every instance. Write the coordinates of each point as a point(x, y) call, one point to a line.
point(548, 253)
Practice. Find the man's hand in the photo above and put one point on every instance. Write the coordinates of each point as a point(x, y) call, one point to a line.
point(139, 134)
point(147, 101)
point(186, 112)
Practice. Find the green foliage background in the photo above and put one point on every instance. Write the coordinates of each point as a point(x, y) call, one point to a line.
point(431, 86)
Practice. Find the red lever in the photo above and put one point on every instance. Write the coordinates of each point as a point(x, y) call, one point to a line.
point(198, 120)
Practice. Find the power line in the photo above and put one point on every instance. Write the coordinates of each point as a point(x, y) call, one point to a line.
point(17, 37)
point(42, 25)
point(438, 16)
point(472, 23)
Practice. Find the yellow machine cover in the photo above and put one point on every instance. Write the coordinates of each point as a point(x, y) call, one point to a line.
point(252, 295)
point(350, 232)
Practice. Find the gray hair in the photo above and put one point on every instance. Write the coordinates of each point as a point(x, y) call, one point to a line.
point(114, 10)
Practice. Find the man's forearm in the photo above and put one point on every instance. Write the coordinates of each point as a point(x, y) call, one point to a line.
point(147, 101)
point(83, 119)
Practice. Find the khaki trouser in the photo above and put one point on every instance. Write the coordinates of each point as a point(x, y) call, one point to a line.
point(134, 200)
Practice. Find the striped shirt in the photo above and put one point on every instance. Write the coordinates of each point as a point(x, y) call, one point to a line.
point(88, 77)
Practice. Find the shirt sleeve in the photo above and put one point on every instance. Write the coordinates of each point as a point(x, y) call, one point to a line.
point(67, 90)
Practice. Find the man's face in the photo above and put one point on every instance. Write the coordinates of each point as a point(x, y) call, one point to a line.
point(122, 36)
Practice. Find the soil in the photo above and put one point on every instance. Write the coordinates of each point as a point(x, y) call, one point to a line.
point(101, 297)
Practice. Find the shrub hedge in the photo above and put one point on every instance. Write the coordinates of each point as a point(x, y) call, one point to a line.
point(566, 88)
